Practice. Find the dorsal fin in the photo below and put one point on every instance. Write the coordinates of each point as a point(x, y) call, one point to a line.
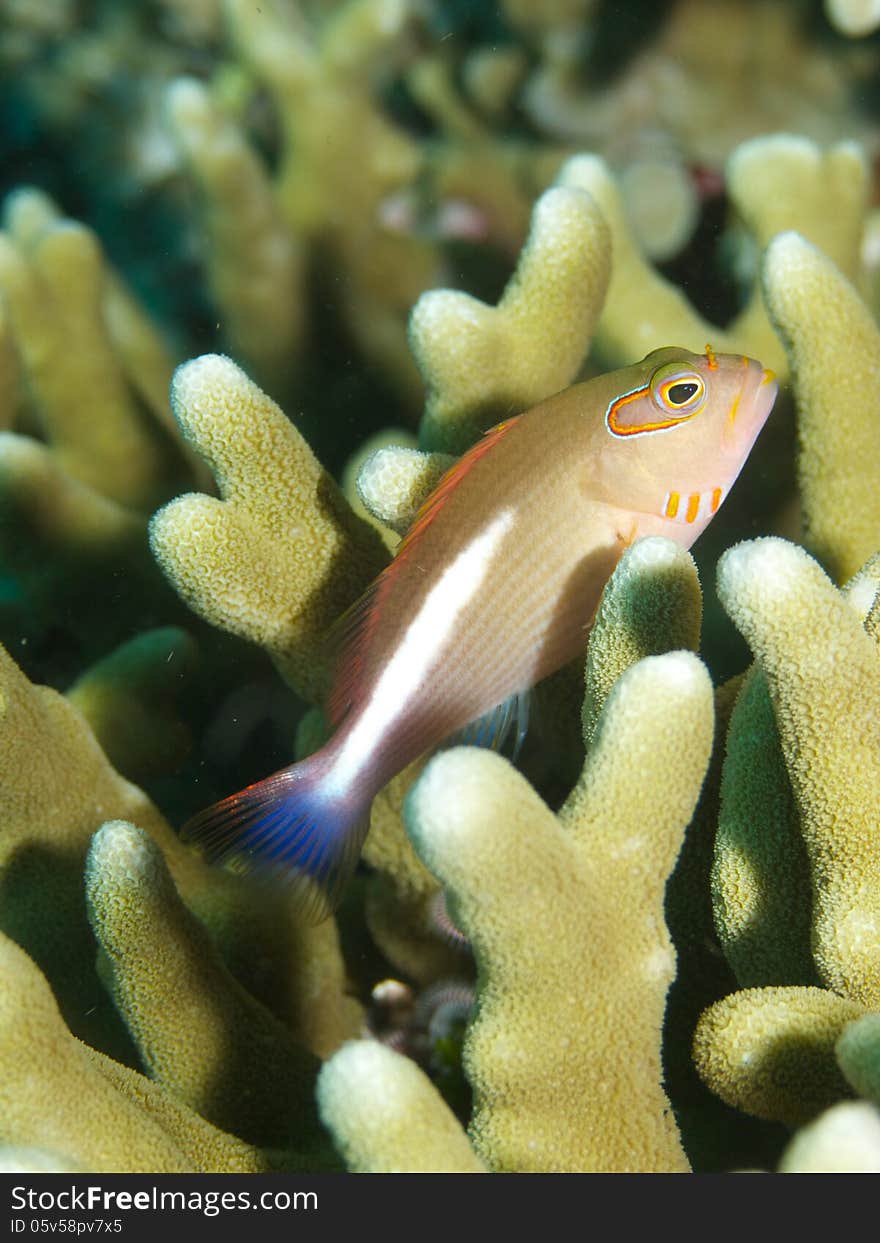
point(348, 635)
point(448, 483)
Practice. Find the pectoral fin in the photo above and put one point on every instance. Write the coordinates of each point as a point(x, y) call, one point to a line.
point(506, 722)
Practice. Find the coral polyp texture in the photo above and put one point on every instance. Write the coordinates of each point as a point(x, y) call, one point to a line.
point(279, 265)
point(770, 1050)
point(282, 554)
point(564, 1049)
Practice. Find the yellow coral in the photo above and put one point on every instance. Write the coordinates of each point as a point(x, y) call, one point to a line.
point(482, 363)
point(844, 1140)
point(200, 1035)
point(142, 353)
point(770, 1051)
point(320, 78)
point(388, 1118)
point(253, 260)
point(89, 1112)
point(643, 311)
point(53, 286)
point(282, 555)
point(394, 482)
point(761, 869)
point(57, 788)
point(760, 874)
point(566, 921)
point(819, 661)
point(651, 604)
point(393, 443)
point(130, 700)
point(91, 445)
point(400, 897)
point(835, 359)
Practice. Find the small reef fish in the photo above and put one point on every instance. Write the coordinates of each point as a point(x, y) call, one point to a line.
point(494, 587)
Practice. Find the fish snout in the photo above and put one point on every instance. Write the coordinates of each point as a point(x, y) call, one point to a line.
point(749, 409)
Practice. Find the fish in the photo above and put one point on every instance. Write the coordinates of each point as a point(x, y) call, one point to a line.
point(494, 587)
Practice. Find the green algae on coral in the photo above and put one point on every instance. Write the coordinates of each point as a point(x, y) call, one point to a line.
point(858, 1055)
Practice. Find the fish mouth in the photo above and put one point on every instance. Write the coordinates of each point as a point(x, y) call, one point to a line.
point(750, 407)
point(766, 392)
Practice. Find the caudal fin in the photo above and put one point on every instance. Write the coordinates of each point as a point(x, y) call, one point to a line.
point(289, 828)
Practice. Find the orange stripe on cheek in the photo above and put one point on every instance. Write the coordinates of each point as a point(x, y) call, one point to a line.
point(671, 505)
point(693, 506)
point(716, 499)
point(617, 405)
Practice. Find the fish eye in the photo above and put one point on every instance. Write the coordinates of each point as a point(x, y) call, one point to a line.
point(678, 391)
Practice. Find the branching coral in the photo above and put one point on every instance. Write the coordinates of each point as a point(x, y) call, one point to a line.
point(770, 1050)
point(130, 1125)
point(387, 1117)
point(345, 158)
point(565, 918)
point(776, 182)
point(651, 604)
point(763, 926)
point(669, 91)
point(835, 357)
point(282, 555)
point(131, 700)
point(54, 278)
point(253, 260)
point(331, 192)
point(90, 446)
point(482, 364)
point(57, 789)
point(199, 1033)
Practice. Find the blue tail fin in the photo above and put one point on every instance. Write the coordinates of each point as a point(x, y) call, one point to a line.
point(287, 828)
